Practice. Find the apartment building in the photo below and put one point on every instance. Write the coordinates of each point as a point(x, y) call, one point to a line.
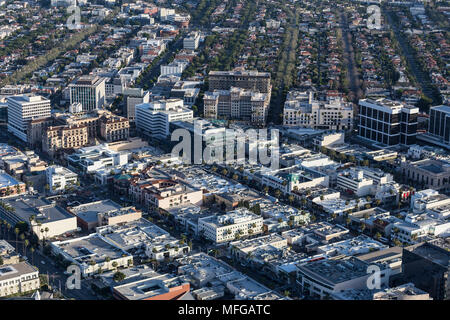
point(387, 122)
point(230, 226)
point(236, 103)
point(18, 278)
point(23, 108)
point(250, 80)
point(153, 119)
point(89, 91)
point(302, 110)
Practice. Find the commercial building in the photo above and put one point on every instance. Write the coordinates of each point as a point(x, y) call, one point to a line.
point(358, 245)
point(230, 226)
point(430, 173)
point(142, 238)
point(103, 213)
point(204, 271)
point(89, 91)
point(114, 128)
point(173, 68)
point(286, 179)
point(95, 158)
point(324, 278)
point(154, 118)
point(57, 138)
point(18, 278)
point(92, 253)
point(158, 287)
point(302, 110)
point(8, 254)
point(166, 193)
point(133, 97)
point(58, 178)
point(24, 108)
point(406, 291)
point(427, 266)
point(439, 123)
point(46, 219)
point(354, 181)
point(10, 186)
point(387, 122)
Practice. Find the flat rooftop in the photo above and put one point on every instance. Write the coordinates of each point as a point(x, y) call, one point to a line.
point(431, 252)
point(7, 181)
point(150, 287)
point(15, 270)
point(89, 211)
point(88, 248)
point(44, 211)
point(335, 271)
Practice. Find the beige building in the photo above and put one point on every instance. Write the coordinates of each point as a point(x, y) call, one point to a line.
point(18, 278)
point(236, 103)
point(301, 109)
point(114, 128)
point(432, 174)
point(64, 137)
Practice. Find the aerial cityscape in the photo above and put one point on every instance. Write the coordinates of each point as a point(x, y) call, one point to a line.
point(224, 150)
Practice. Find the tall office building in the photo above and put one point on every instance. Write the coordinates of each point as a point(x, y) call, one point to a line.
point(89, 91)
point(191, 41)
point(133, 97)
point(439, 124)
point(153, 119)
point(22, 109)
point(387, 122)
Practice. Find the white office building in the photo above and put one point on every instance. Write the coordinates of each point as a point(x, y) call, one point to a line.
point(23, 108)
point(174, 68)
point(192, 41)
point(59, 177)
point(354, 181)
point(230, 226)
point(153, 118)
point(89, 91)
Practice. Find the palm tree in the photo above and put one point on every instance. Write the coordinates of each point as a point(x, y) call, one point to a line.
point(16, 231)
point(25, 245)
point(32, 254)
point(291, 198)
